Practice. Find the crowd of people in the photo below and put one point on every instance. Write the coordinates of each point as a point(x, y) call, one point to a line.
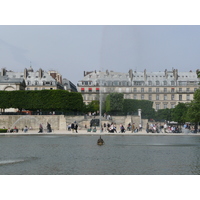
point(26, 128)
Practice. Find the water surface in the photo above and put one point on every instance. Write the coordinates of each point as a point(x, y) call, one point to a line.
point(80, 155)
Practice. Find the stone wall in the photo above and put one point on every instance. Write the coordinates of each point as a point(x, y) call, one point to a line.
point(60, 122)
point(57, 122)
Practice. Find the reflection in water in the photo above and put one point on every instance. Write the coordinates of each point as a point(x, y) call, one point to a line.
point(127, 155)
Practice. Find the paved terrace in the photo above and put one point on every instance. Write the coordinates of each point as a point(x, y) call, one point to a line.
point(84, 132)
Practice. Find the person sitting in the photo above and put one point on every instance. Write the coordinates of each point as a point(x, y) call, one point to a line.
point(122, 129)
point(25, 129)
point(40, 129)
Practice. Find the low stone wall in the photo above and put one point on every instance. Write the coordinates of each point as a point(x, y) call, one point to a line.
point(20, 121)
point(60, 122)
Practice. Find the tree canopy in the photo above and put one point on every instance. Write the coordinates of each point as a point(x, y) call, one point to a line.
point(46, 100)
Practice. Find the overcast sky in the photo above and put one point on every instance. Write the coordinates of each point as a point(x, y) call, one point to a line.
point(70, 50)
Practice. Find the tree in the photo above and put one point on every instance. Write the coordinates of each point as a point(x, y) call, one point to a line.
point(164, 114)
point(179, 113)
point(193, 111)
point(93, 106)
point(114, 102)
point(131, 106)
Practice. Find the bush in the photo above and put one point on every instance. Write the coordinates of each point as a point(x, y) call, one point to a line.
point(3, 130)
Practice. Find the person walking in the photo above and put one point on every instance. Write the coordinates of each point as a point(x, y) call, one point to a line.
point(165, 128)
point(72, 127)
point(147, 128)
point(49, 128)
point(76, 127)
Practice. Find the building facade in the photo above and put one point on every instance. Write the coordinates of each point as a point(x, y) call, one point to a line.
point(164, 89)
point(34, 80)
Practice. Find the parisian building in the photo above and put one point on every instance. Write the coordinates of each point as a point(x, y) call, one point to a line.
point(34, 80)
point(165, 89)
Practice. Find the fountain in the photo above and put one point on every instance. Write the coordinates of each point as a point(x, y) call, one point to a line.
point(25, 124)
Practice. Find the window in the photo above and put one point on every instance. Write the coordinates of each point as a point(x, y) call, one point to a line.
point(150, 97)
point(150, 89)
point(36, 82)
point(28, 83)
point(135, 89)
point(127, 89)
point(172, 97)
point(109, 83)
point(188, 97)
point(89, 89)
point(165, 89)
point(172, 89)
point(180, 97)
point(165, 97)
point(157, 89)
point(142, 96)
point(157, 97)
point(135, 96)
point(35, 88)
point(188, 89)
point(115, 83)
point(180, 89)
point(172, 82)
point(165, 105)
point(142, 89)
point(150, 82)
point(157, 82)
point(124, 83)
point(195, 89)
point(82, 89)
point(172, 105)
point(165, 82)
point(157, 106)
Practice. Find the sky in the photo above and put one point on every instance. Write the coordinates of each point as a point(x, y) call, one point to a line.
point(73, 49)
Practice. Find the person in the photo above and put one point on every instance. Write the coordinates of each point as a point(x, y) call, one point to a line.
point(104, 125)
point(136, 130)
point(140, 127)
point(122, 129)
point(25, 129)
point(72, 127)
point(147, 128)
point(76, 127)
point(40, 129)
point(15, 129)
point(165, 128)
point(48, 128)
point(129, 127)
point(161, 127)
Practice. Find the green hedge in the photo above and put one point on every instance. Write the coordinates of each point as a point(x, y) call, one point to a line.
point(59, 100)
point(3, 130)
